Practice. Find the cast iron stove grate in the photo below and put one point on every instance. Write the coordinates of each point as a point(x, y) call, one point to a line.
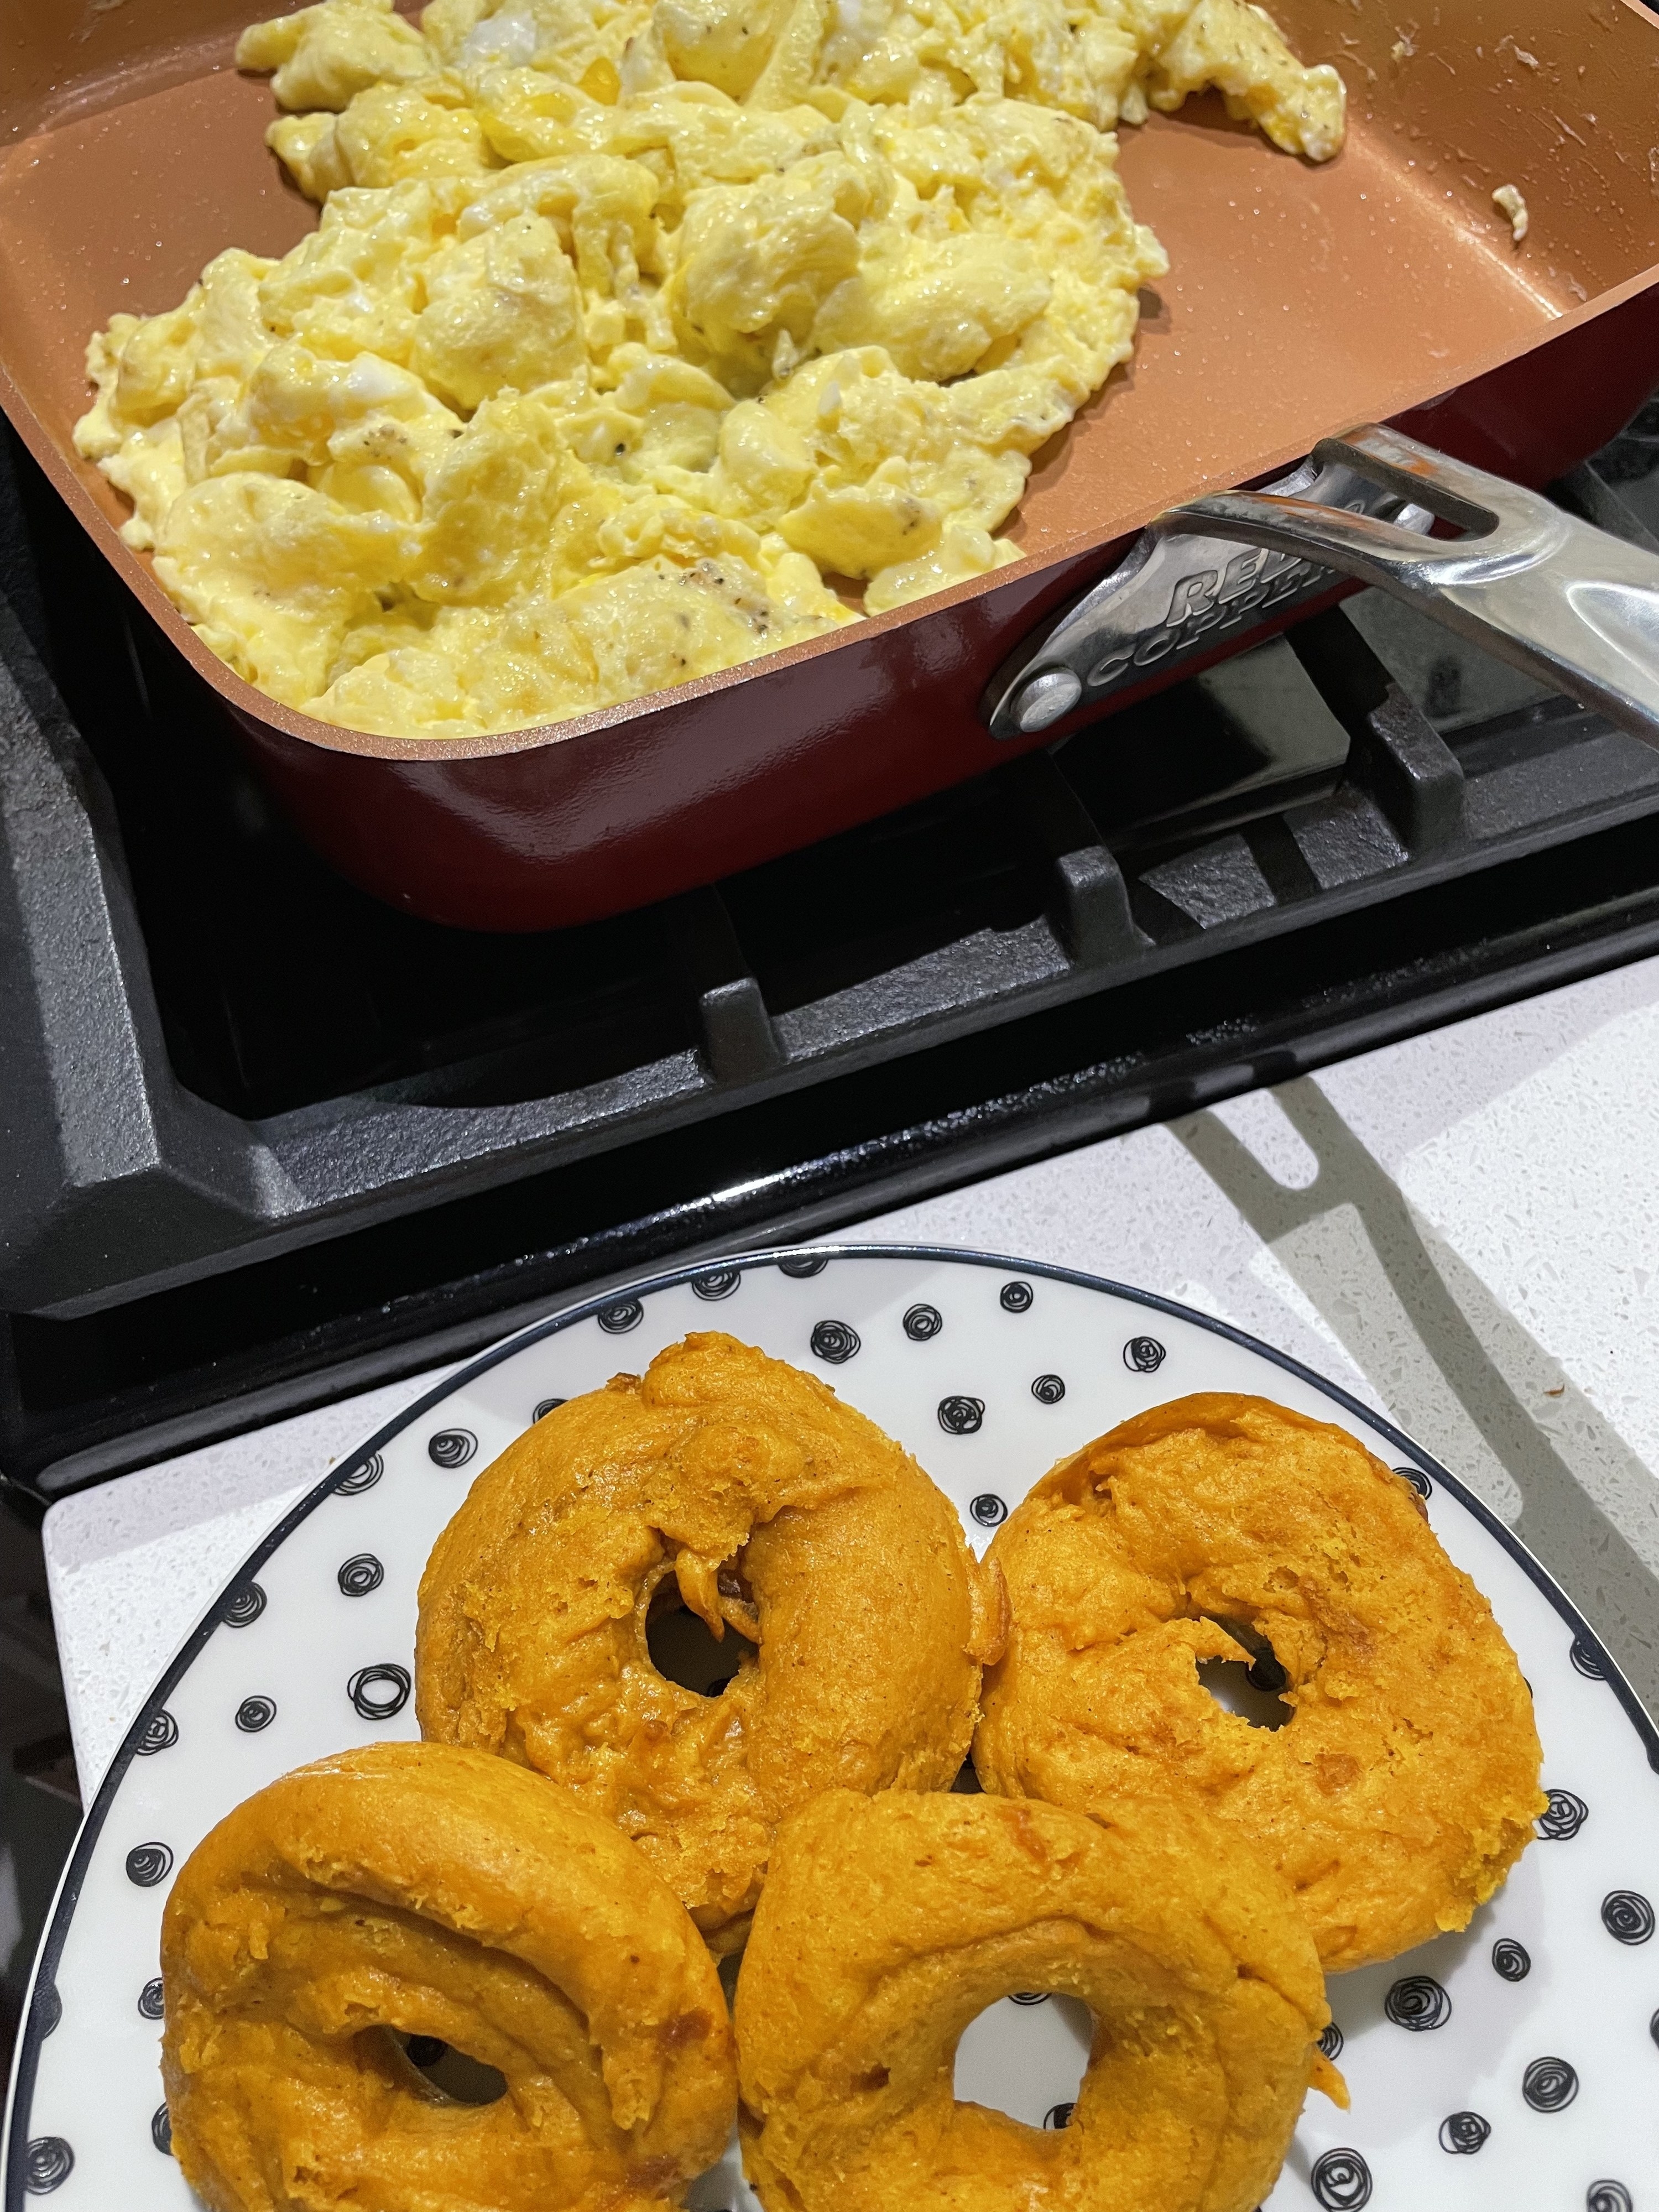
point(270, 1140)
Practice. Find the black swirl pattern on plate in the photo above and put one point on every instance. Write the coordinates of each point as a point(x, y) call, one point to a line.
point(1510, 1960)
point(546, 1406)
point(803, 1264)
point(617, 1320)
point(161, 1734)
point(243, 1605)
point(1608, 2197)
point(361, 1477)
point(1266, 1672)
point(1627, 1916)
point(450, 1448)
point(255, 1714)
point(152, 2000)
point(1564, 1816)
point(1144, 1355)
point(1463, 2133)
point(923, 1323)
point(835, 1342)
point(1048, 1390)
point(380, 1692)
point(988, 1510)
point(1341, 2180)
point(1653, 2027)
point(1588, 1659)
point(1016, 1298)
point(48, 2008)
point(48, 2163)
point(149, 1863)
point(362, 1573)
point(1028, 1997)
point(960, 1416)
point(1549, 2085)
point(1419, 2002)
point(1330, 2041)
point(1059, 2116)
point(1418, 1481)
point(161, 2131)
point(719, 1283)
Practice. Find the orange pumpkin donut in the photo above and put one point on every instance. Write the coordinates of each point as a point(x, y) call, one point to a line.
point(888, 1923)
point(1404, 1785)
point(436, 1893)
point(749, 1491)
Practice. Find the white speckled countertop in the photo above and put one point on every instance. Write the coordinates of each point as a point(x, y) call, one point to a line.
point(1462, 1229)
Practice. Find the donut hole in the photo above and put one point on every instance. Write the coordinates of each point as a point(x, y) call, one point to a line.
point(679, 1643)
point(1231, 1682)
point(1250, 1686)
point(464, 2080)
point(1025, 2055)
point(683, 1647)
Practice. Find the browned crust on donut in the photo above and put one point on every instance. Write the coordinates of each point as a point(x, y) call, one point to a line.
point(440, 1892)
point(790, 1524)
point(1187, 1948)
point(1405, 1786)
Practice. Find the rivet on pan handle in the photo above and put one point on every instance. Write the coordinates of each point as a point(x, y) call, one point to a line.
point(1571, 605)
point(1170, 597)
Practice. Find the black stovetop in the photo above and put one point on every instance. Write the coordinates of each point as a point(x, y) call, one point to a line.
point(269, 1140)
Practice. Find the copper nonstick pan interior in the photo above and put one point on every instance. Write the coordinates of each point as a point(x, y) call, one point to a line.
point(1299, 300)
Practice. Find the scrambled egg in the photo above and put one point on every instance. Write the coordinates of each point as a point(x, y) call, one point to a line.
point(629, 324)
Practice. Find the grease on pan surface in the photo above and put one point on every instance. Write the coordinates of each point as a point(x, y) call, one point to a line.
point(810, 1543)
point(1185, 1946)
point(629, 322)
point(417, 1890)
point(1404, 1785)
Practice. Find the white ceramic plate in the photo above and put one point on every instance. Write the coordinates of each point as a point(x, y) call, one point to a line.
point(1511, 2068)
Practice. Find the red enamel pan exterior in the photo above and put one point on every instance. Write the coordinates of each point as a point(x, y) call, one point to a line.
point(1299, 302)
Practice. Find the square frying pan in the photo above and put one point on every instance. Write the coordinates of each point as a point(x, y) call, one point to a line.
point(1384, 287)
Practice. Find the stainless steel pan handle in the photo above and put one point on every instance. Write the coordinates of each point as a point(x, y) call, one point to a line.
point(1571, 605)
point(1173, 597)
